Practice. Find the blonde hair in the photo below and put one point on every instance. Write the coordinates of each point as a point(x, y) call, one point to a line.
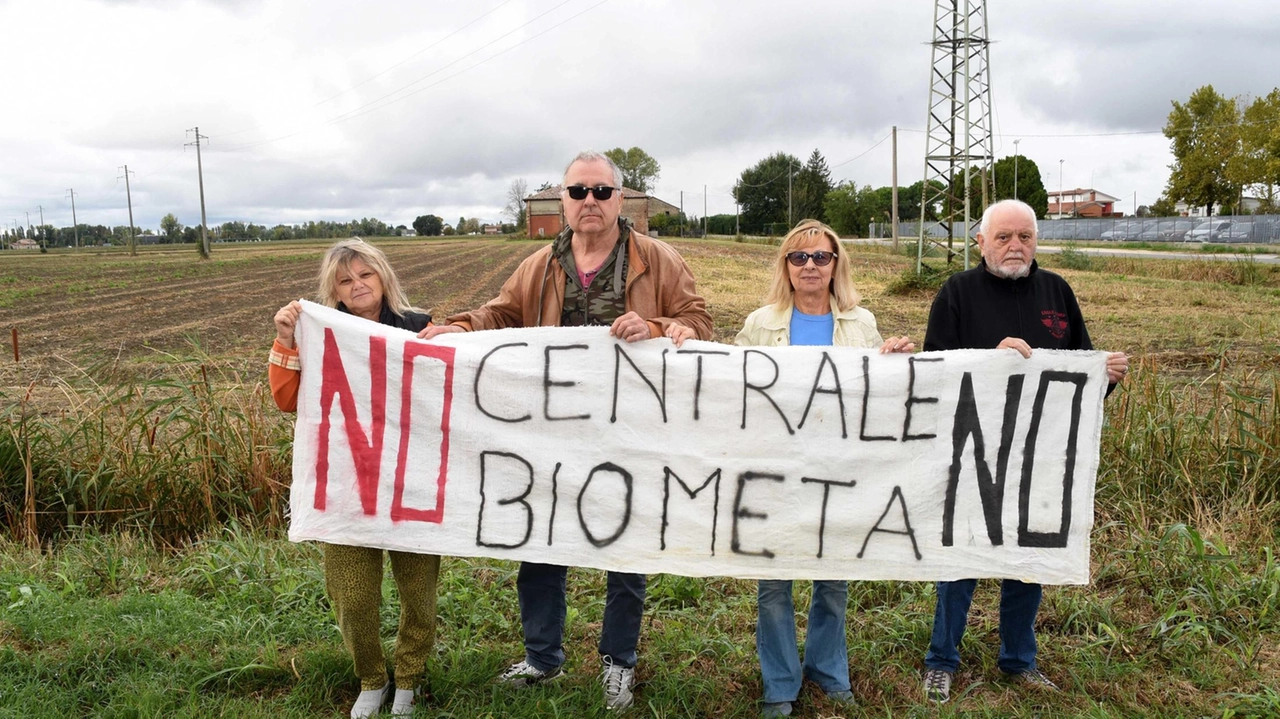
point(340, 257)
point(781, 293)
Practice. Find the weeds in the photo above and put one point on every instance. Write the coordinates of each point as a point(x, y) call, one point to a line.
point(173, 457)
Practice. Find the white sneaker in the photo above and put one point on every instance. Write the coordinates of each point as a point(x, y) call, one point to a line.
point(370, 702)
point(404, 701)
point(617, 684)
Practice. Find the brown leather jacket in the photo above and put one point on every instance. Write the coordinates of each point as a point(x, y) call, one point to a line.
point(660, 289)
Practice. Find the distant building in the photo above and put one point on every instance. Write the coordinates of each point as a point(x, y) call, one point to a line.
point(1081, 202)
point(545, 212)
point(492, 229)
point(1247, 206)
point(408, 232)
point(25, 243)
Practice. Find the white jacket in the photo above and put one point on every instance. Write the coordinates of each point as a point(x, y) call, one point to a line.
point(770, 326)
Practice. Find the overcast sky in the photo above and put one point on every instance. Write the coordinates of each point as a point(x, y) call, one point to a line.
point(320, 109)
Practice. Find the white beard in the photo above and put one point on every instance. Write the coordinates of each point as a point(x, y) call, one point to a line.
point(1015, 274)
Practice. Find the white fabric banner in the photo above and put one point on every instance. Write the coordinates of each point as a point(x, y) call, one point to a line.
point(565, 446)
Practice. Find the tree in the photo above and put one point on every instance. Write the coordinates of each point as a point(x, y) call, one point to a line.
point(639, 170)
point(461, 227)
point(761, 191)
point(428, 225)
point(472, 226)
point(515, 202)
point(1030, 187)
point(810, 188)
point(171, 228)
point(1164, 207)
point(850, 209)
point(1205, 135)
point(1260, 148)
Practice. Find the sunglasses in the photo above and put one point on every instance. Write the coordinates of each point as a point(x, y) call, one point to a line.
point(600, 192)
point(820, 258)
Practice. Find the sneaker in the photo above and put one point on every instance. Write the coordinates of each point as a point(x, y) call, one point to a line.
point(776, 709)
point(617, 684)
point(937, 685)
point(404, 701)
point(370, 702)
point(844, 698)
point(524, 674)
point(1034, 678)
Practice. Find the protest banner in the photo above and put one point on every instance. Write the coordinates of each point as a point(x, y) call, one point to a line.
point(566, 446)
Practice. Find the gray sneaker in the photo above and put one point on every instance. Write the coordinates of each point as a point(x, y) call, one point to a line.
point(524, 674)
point(1034, 678)
point(937, 685)
point(774, 710)
point(617, 683)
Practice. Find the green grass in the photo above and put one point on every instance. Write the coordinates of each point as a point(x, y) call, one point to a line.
point(237, 625)
point(143, 571)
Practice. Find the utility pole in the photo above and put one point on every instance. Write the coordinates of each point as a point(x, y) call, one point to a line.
point(894, 219)
point(704, 212)
point(133, 247)
point(204, 233)
point(28, 214)
point(43, 244)
point(789, 221)
point(1060, 198)
point(682, 213)
point(75, 225)
point(1015, 168)
point(737, 214)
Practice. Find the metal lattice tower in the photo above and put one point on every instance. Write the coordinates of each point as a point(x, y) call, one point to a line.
point(958, 144)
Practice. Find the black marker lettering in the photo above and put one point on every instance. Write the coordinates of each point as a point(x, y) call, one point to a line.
point(826, 494)
point(475, 385)
point(906, 522)
point(746, 385)
point(741, 512)
point(618, 355)
point(518, 499)
point(866, 399)
point(838, 392)
point(548, 383)
point(990, 491)
point(912, 399)
point(626, 516)
point(1058, 539)
point(667, 474)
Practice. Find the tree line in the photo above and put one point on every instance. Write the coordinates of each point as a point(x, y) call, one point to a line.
point(780, 190)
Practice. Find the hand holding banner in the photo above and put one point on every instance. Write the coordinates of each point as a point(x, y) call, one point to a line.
point(565, 446)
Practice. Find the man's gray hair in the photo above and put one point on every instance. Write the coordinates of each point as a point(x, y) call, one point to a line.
point(593, 156)
point(986, 216)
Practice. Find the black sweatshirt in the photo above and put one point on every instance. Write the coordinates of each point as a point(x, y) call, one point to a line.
point(977, 310)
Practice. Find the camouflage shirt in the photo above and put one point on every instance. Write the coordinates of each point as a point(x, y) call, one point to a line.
point(603, 300)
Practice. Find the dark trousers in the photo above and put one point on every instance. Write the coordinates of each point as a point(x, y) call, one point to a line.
point(1019, 603)
point(541, 588)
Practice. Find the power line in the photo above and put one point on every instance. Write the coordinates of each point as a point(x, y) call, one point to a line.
point(372, 105)
point(407, 59)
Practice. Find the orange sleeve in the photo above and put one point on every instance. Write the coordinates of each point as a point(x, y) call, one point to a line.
point(284, 381)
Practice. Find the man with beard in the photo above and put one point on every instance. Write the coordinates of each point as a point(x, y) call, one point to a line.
point(1006, 302)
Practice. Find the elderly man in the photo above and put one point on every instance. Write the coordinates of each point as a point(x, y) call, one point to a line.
point(1007, 302)
point(598, 271)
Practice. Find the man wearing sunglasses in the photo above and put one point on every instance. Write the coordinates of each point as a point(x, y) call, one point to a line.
point(598, 271)
point(1006, 302)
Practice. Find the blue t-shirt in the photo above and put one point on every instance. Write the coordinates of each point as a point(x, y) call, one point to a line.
point(811, 329)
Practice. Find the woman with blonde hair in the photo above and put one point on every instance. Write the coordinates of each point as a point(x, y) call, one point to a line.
point(811, 301)
point(356, 278)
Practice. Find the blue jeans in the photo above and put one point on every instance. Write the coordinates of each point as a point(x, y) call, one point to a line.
point(1019, 603)
point(826, 654)
point(541, 588)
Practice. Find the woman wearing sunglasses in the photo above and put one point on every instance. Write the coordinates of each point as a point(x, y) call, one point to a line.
point(811, 301)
